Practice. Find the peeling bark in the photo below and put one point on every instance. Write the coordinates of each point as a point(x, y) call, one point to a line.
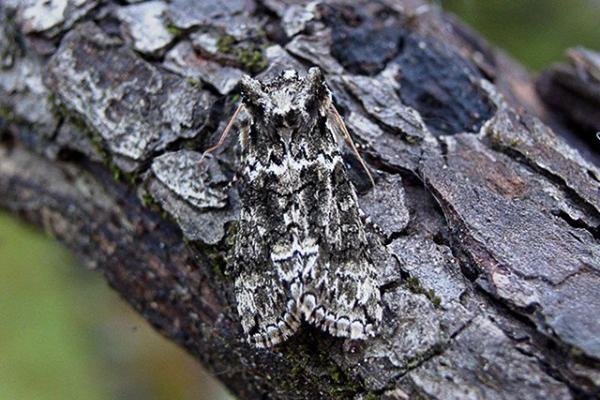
point(492, 220)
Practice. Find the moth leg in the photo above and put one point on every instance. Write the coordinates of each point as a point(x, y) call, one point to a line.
point(342, 126)
point(224, 134)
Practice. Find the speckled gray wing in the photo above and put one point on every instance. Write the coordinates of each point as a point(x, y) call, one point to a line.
point(267, 309)
point(345, 278)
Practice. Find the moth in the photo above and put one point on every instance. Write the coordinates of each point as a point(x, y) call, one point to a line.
point(301, 252)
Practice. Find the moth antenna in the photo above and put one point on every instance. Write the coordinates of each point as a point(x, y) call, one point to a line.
point(340, 122)
point(224, 134)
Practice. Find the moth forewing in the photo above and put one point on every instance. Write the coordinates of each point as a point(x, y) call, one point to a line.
point(301, 252)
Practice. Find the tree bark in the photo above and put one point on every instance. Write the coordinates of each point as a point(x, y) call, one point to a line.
point(491, 220)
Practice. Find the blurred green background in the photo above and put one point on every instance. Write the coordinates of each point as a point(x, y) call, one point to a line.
point(535, 32)
point(65, 335)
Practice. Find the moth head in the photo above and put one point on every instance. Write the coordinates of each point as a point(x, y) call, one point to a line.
point(287, 99)
point(316, 82)
point(252, 92)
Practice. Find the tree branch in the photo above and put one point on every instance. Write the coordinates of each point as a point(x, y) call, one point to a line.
point(490, 219)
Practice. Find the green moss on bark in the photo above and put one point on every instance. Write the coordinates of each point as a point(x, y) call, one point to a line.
point(414, 285)
point(248, 55)
point(312, 363)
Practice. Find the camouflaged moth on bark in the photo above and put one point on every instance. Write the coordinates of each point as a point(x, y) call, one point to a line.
point(301, 252)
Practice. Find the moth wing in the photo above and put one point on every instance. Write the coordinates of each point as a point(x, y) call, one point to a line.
point(351, 305)
point(344, 276)
point(259, 303)
point(266, 300)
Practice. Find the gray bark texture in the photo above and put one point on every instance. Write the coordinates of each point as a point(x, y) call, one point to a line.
point(488, 204)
